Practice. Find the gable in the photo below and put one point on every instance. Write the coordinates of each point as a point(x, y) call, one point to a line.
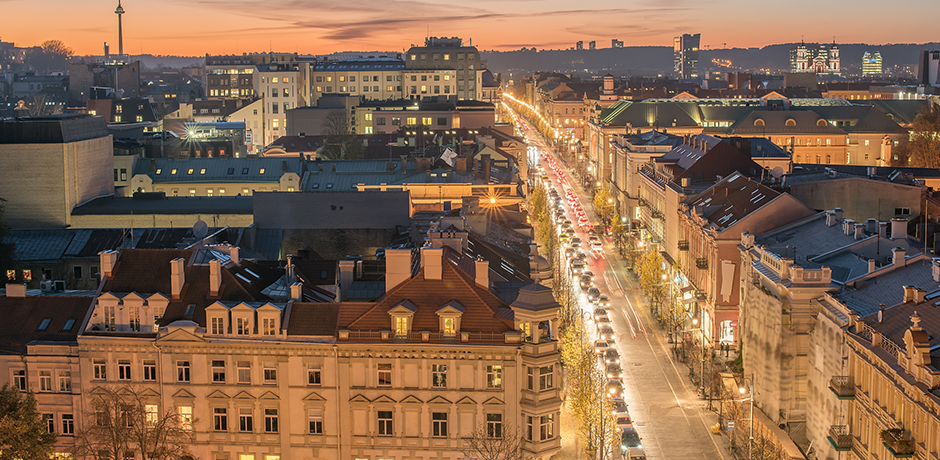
point(269, 395)
point(493, 401)
point(180, 335)
point(218, 394)
point(439, 400)
point(384, 399)
point(314, 396)
point(411, 399)
point(359, 398)
point(244, 395)
point(182, 393)
point(466, 400)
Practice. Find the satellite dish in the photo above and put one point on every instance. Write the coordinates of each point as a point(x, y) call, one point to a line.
point(777, 172)
point(200, 229)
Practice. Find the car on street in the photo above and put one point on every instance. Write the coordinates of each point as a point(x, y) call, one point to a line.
point(575, 243)
point(594, 293)
point(612, 356)
point(614, 388)
point(569, 231)
point(605, 332)
point(586, 281)
point(582, 255)
point(629, 438)
point(603, 301)
point(599, 311)
point(602, 320)
point(570, 253)
point(600, 346)
point(577, 266)
point(596, 246)
point(614, 371)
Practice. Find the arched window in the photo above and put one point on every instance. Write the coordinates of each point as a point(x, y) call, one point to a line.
point(791, 122)
point(759, 122)
point(818, 159)
point(798, 158)
point(828, 159)
point(821, 122)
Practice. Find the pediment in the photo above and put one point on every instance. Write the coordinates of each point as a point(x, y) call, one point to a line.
point(466, 400)
point(439, 400)
point(405, 307)
point(314, 396)
point(134, 296)
point(180, 335)
point(182, 393)
point(359, 398)
point(451, 308)
point(99, 391)
point(411, 399)
point(149, 393)
point(218, 394)
point(269, 395)
point(244, 395)
point(384, 399)
point(493, 401)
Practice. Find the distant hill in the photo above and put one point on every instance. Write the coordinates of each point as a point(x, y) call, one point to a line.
point(652, 60)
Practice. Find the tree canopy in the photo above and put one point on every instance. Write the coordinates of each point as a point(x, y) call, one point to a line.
point(50, 56)
point(23, 432)
point(923, 148)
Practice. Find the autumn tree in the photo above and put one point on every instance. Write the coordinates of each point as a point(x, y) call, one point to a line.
point(50, 56)
point(495, 441)
point(127, 420)
point(603, 204)
point(23, 431)
point(652, 278)
point(923, 148)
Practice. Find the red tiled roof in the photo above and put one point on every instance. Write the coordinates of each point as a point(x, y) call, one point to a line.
point(429, 296)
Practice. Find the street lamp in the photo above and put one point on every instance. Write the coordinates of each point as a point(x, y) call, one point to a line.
point(750, 439)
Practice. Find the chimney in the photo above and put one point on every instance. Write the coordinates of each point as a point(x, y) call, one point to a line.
point(215, 278)
point(830, 218)
point(107, 260)
point(177, 276)
point(16, 291)
point(346, 277)
point(297, 291)
point(848, 226)
point(333, 167)
point(482, 273)
point(838, 212)
point(486, 168)
point(233, 254)
point(908, 293)
point(289, 269)
point(153, 164)
point(935, 269)
point(871, 225)
point(871, 266)
point(404, 162)
point(897, 257)
point(431, 262)
point(397, 267)
point(919, 295)
point(898, 229)
point(859, 230)
point(883, 229)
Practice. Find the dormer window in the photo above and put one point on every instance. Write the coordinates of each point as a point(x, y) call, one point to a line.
point(242, 326)
point(449, 316)
point(402, 315)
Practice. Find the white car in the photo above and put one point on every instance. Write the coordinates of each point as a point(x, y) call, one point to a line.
point(601, 346)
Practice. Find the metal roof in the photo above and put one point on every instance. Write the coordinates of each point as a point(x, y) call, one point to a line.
point(219, 169)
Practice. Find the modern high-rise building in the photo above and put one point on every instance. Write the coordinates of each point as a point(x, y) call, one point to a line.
point(928, 65)
point(592, 45)
point(614, 43)
point(814, 58)
point(871, 63)
point(579, 45)
point(685, 52)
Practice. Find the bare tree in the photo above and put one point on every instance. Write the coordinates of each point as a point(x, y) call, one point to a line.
point(495, 442)
point(39, 104)
point(341, 141)
point(125, 419)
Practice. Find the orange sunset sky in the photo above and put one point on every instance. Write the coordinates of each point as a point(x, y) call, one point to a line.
point(196, 27)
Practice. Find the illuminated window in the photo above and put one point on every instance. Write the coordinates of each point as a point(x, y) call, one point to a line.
point(439, 375)
point(192, 192)
point(190, 171)
point(261, 171)
point(494, 376)
point(385, 375)
point(27, 275)
point(273, 79)
point(185, 417)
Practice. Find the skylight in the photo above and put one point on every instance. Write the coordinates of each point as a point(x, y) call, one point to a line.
point(68, 324)
point(44, 324)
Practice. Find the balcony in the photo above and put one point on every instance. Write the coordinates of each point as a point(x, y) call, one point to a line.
point(683, 245)
point(840, 438)
point(657, 215)
point(843, 387)
point(898, 443)
point(701, 262)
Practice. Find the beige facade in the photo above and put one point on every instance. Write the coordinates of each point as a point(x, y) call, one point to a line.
point(253, 117)
point(51, 178)
point(282, 86)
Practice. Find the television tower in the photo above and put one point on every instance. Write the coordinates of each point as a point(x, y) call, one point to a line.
point(119, 11)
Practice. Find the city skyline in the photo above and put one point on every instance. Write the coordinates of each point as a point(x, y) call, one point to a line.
point(316, 27)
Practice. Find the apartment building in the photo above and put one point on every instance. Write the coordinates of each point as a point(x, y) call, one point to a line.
point(377, 79)
point(443, 57)
point(218, 176)
point(232, 76)
point(438, 357)
point(283, 86)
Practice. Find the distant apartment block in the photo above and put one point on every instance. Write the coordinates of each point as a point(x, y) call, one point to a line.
point(614, 43)
point(685, 55)
point(872, 63)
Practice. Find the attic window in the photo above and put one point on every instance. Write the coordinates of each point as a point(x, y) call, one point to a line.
point(759, 122)
point(261, 171)
point(190, 171)
point(68, 324)
point(791, 122)
point(316, 186)
point(821, 122)
point(245, 171)
point(190, 309)
point(330, 185)
point(159, 170)
point(173, 171)
point(202, 171)
point(44, 324)
point(231, 170)
point(323, 275)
